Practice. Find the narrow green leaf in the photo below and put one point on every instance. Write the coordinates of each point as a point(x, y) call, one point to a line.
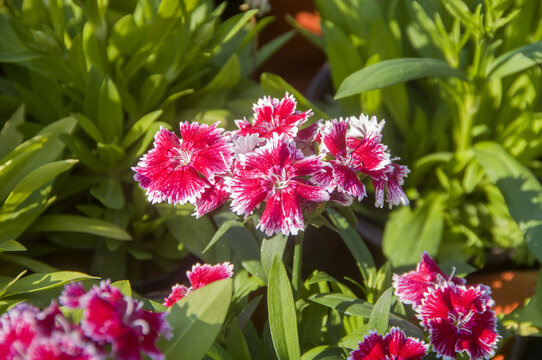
point(227, 77)
point(324, 352)
point(522, 191)
point(389, 72)
point(39, 282)
point(353, 241)
point(233, 25)
point(282, 314)
point(244, 247)
point(139, 128)
point(271, 248)
point(152, 91)
point(74, 223)
point(12, 50)
point(28, 263)
point(236, 344)
point(110, 116)
point(11, 282)
point(196, 320)
point(267, 50)
point(89, 127)
point(220, 232)
point(109, 193)
point(33, 181)
point(380, 314)
point(11, 245)
point(515, 61)
point(10, 138)
point(344, 304)
point(83, 152)
point(94, 49)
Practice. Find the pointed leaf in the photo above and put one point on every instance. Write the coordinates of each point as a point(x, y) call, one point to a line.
point(220, 232)
point(282, 313)
point(389, 72)
point(515, 61)
point(380, 314)
point(39, 282)
point(271, 248)
point(140, 128)
point(196, 320)
point(345, 304)
point(74, 223)
point(522, 191)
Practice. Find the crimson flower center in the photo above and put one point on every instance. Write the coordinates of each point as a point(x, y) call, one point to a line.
point(461, 321)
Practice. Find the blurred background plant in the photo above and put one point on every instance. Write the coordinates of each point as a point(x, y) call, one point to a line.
point(476, 80)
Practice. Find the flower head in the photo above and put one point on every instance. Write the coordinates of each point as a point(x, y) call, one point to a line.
point(354, 147)
point(64, 346)
point(110, 317)
point(412, 286)
point(200, 276)
point(18, 330)
point(274, 116)
point(393, 346)
point(278, 174)
point(460, 319)
point(180, 170)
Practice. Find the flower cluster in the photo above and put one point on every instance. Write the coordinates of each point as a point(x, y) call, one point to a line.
point(272, 160)
point(113, 325)
point(458, 317)
point(200, 276)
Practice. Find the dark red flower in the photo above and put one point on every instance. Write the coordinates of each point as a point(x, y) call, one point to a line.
point(411, 286)
point(459, 319)
point(393, 346)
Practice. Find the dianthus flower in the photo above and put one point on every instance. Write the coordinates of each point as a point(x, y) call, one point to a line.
point(180, 170)
point(17, 331)
point(354, 147)
point(274, 116)
point(200, 276)
point(28, 333)
point(64, 346)
point(459, 319)
point(412, 286)
point(393, 346)
point(110, 317)
point(276, 173)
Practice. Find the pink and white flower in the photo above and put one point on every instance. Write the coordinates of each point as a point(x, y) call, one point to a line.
point(200, 276)
point(389, 182)
point(460, 319)
point(412, 286)
point(180, 170)
point(278, 174)
point(354, 147)
point(112, 318)
point(274, 116)
point(393, 346)
point(64, 346)
point(17, 331)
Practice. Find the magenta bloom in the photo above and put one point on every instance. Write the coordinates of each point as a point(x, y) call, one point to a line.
point(180, 170)
point(64, 346)
point(71, 294)
point(394, 346)
point(110, 317)
point(278, 174)
point(18, 329)
point(200, 276)
point(274, 116)
point(460, 319)
point(354, 147)
point(412, 286)
point(389, 181)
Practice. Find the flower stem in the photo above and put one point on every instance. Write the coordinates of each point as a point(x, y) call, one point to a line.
point(296, 269)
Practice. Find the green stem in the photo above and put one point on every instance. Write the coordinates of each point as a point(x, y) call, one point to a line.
point(296, 269)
